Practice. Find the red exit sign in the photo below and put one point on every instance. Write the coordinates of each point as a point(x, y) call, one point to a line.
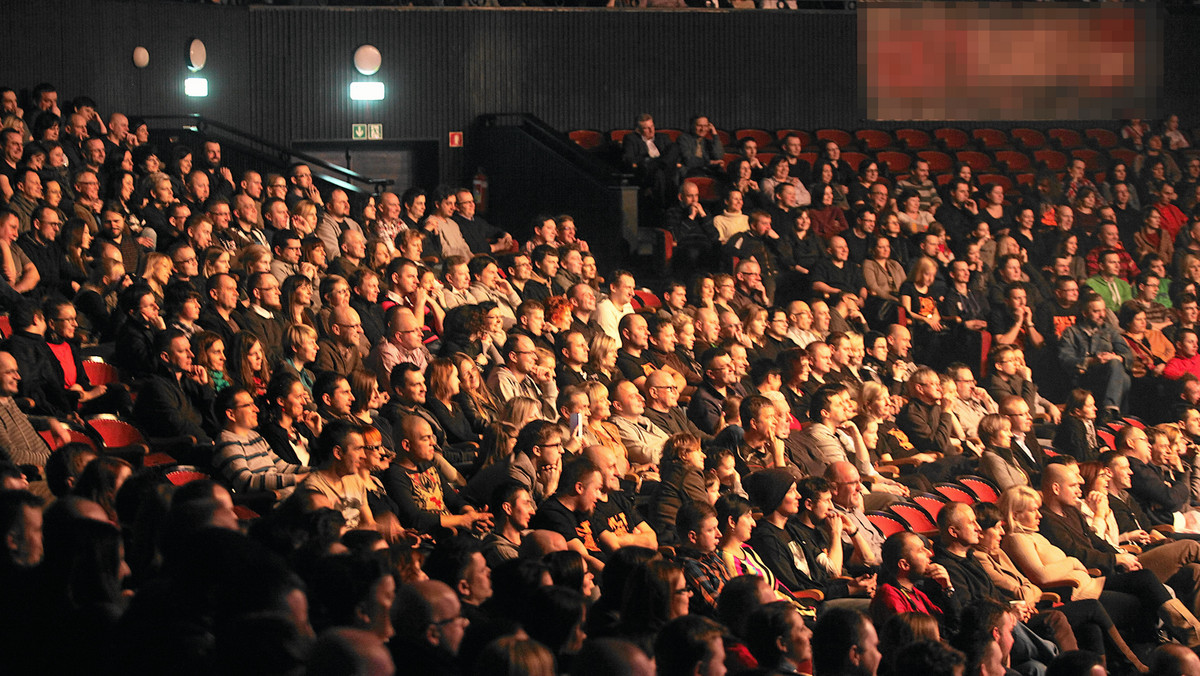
point(456, 139)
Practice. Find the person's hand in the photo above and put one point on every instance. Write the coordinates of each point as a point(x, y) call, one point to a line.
point(314, 195)
point(227, 174)
point(975, 324)
point(1097, 501)
point(835, 524)
point(312, 421)
point(1055, 415)
point(863, 584)
point(937, 573)
point(199, 374)
point(1158, 370)
point(892, 489)
point(308, 270)
point(1023, 610)
point(850, 428)
point(60, 431)
point(971, 207)
point(1138, 536)
point(926, 457)
point(1128, 561)
point(1105, 357)
point(935, 323)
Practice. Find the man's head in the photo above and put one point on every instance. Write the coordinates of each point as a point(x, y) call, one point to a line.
point(926, 385)
point(759, 418)
point(174, 350)
point(1017, 411)
point(621, 288)
point(345, 326)
point(634, 332)
point(1133, 442)
point(519, 354)
point(690, 645)
point(459, 562)
point(429, 613)
point(237, 411)
point(417, 441)
point(718, 367)
point(1061, 486)
point(905, 555)
point(831, 405)
point(408, 384)
point(21, 523)
point(846, 484)
point(1094, 312)
point(816, 498)
point(957, 525)
point(627, 401)
point(844, 642)
point(581, 484)
point(512, 503)
point(264, 291)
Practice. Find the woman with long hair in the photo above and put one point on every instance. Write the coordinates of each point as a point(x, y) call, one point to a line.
point(100, 481)
point(249, 363)
point(297, 297)
point(209, 351)
point(703, 291)
point(76, 241)
point(1132, 599)
point(602, 358)
point(828, 219)
point(368, 399)
point(921, 305)
point(475, 398)
point(444, 387)
point(1076, 434)
point(290, 426)
point(157, 274)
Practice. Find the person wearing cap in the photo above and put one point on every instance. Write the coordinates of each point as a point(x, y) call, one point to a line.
point(779, 539)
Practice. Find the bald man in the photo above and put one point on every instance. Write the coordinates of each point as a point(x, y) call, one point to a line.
point(616, 521)
point(345, 650)
point(401, 344)
point(537, 543)
point(643, 439)
point(339, 352)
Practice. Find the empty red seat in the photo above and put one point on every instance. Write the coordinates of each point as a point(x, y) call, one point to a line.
point(991, 139)
point(888, 524)
point(587, 138)
point(955, 493)
point(1025, 179)
point(983, 489)
point(1066, 138)
point(726, 139)
point(938, 161)
point(914, 139)
point(952, 139)
point(874, 139)
point(842, 138)
point(943, 179)
point(1054, 160)
point(672, 134)
point(730, 158)
point(1030, 138)
point(645, 299)
point(101, 373)
point(115, 433)
point(897, 162)
point(5, 327)
point(1092, 159)
point(1013, 160)
point(931, 503)
point(761, 137)
point(915, 517)
point(184, 474)
point(853, 159)
point(976, 160)
point(1103, 138)
point(618, 135)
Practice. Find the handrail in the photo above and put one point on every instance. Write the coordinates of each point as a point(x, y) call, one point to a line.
point(201, 123)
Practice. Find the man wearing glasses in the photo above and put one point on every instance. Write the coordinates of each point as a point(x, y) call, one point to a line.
point(663, 410)
point(39, 246)
point(243, 457)
point(339, 352)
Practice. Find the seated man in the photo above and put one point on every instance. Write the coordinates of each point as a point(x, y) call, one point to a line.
point(569, 511)
point(706, 407)
point(865, 538)
point(18, 439)
point(401, 344)
point(643, 439)
point(912, 583)
point(931, 427)
point(616, 521)
point(663, 409)
point(632, 359)
point(175, 400)
point(339, 352)
point(512, 507)
point(780, 540)
point(844, 641)
point(1098, 357)
point(823, 526)
point(1187, 356)
point(334, 481)
point(425, 500)
point(243, 457)
point(703, 567)
point(516, 377)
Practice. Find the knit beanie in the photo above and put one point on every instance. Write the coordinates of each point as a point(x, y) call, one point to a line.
point(768, 487)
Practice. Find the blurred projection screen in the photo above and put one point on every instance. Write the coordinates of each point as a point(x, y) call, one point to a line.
point(1008, 61)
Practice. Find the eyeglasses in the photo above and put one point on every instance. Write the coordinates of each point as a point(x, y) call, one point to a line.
point(450, 620)
point(670, 388)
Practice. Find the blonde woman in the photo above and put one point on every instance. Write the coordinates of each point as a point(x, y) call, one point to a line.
point(602, 358)
point(1121, 593)
point(157, 274)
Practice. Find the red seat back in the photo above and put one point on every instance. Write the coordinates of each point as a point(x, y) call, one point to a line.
point(976, 160)
point(1030, 138)
point(1067, 138)
point(992, 139)
point(761, 137)
point(1014, 160)
point(1103, 138)
point(897, 162)
point(842, 138)
point(938, 161)
point(931, 503)
point(587, 139)
point(101, 373)
point(806, 138)
point(116, 433)
point(984, 490)
point(914, 139)
point(913, 515)
point(1054, 160)
point(185, 475)
point(951, 138)
point(874, 139)
point(887, 524)
point(955, 493)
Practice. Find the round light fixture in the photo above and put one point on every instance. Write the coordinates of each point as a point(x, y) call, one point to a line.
point(367, 60)
point(197, 55)
point(141, 57)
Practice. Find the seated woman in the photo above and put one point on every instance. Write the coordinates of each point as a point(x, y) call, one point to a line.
point(209, 351)
point(682, 482)
point(1076, 434)
point(364, 387)
point(827, 217)
point(998, 463)
point(1132, 599)
point(442, 378)
point(289, 425)
point(913, 219)
point(377, 458)
point(602, 359)
point(299, 350)
point(248, 363)
point(917, 297)
point(883, 274)
point(477, 402)
point(1089, 621)
point(134, 351)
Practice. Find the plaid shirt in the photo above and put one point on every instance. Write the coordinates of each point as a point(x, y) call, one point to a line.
point(706, 576)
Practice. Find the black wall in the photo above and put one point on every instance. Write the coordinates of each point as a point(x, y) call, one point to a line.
point(284, 73)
